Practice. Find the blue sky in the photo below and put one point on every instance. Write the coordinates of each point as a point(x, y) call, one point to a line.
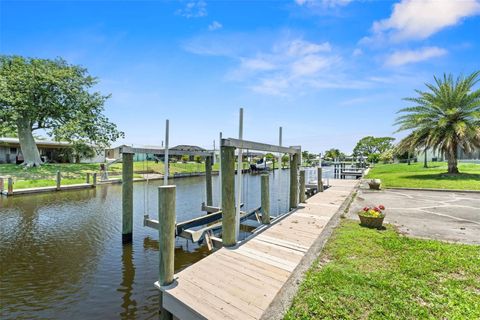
point(329, 72)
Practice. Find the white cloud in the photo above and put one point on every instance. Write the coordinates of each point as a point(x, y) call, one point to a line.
point(310, 65)
point(194, 9)
point(357, 52)
point(419, 19)
point(300, 47)
point(399, 58)
point(215, 25)
point(291, 66)
point(272, 86)
point(257, 64)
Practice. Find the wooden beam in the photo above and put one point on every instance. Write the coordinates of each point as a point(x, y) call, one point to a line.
point(127, 197)
point(319, 180)
point(10, 186)
point(228, 195)
point(166, 237)
point(265, 198)
point(208, 180)
point(302, 186)
point(294, 158)
point(59, 180)
point(251, 145)
point(172, 152)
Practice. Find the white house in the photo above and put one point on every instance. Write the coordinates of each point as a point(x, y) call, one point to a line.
point(10, 151)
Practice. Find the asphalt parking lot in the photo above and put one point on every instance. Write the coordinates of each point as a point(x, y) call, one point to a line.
point(440, 215)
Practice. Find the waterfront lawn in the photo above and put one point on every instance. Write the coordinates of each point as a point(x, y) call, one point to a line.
point(45, 175)
point(48, 171)
point(175, 167)
point(435, 176)
point(366, 273)
point(73, 173)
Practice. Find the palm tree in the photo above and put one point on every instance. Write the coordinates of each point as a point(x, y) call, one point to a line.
point(333, 154)
point(445, 118)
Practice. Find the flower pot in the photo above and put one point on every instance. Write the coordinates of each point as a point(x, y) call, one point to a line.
point(371, 222)
point(374, 184)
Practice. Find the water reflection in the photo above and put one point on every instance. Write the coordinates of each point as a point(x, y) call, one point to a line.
point(61, 253)
point(129, 305)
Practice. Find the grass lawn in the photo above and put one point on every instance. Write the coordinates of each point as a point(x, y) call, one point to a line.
point(435, 176)
point(175, 167)
point(45, 175)
point(73, 173)
point(370, 274)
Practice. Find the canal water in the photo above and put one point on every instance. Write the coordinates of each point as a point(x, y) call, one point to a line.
point(61, 254)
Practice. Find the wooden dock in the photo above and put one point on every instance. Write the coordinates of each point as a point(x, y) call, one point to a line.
point(48, 189)
point(242, 282)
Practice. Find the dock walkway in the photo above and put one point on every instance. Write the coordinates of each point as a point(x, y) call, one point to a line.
point(243, 281)
point(48, 189)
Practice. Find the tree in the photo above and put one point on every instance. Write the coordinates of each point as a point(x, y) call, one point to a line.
point(445, 118)
point(53, 96)
point(332, 154)
point(387, 156)
point(285, 160)
point(372, 145)
point(307, 157)
point(82, 150)
point(7, 132)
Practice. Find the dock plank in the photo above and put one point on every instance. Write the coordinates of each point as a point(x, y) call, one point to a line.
point(242, 282)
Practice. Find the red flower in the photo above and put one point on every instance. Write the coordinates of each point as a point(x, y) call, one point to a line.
point(366, 209)
point(376, 209)
point(381, 207)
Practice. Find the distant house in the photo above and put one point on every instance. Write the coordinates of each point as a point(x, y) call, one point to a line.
point(50, 151)
point(462, 156)
point(153, 152)
point(116, 152)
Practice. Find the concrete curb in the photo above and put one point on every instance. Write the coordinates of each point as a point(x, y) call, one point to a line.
point(431, 189)
point(284, 298)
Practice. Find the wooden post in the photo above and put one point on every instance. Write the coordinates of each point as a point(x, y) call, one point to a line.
point(127, 197)
point(59, 180)
point(208, 180)
point(94, 179)
point(302, 186)
point(166, 159)
point(319, 180)
point(166, 237)
point(294, 180)
point(88, 178)
point(265, 186)
point(10, 186)
point(228, 195)
point(1, 184)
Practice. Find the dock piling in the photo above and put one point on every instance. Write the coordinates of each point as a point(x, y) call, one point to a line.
point(10, 186)
point(319, 180)
point(294, 180)
point(208, 180)
point(265, 187)
point(302, 186)
point(166, 237)
point(127, 197)
point(59, 180)
point(94, 179)
point(88, 178)
point(228, 195)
